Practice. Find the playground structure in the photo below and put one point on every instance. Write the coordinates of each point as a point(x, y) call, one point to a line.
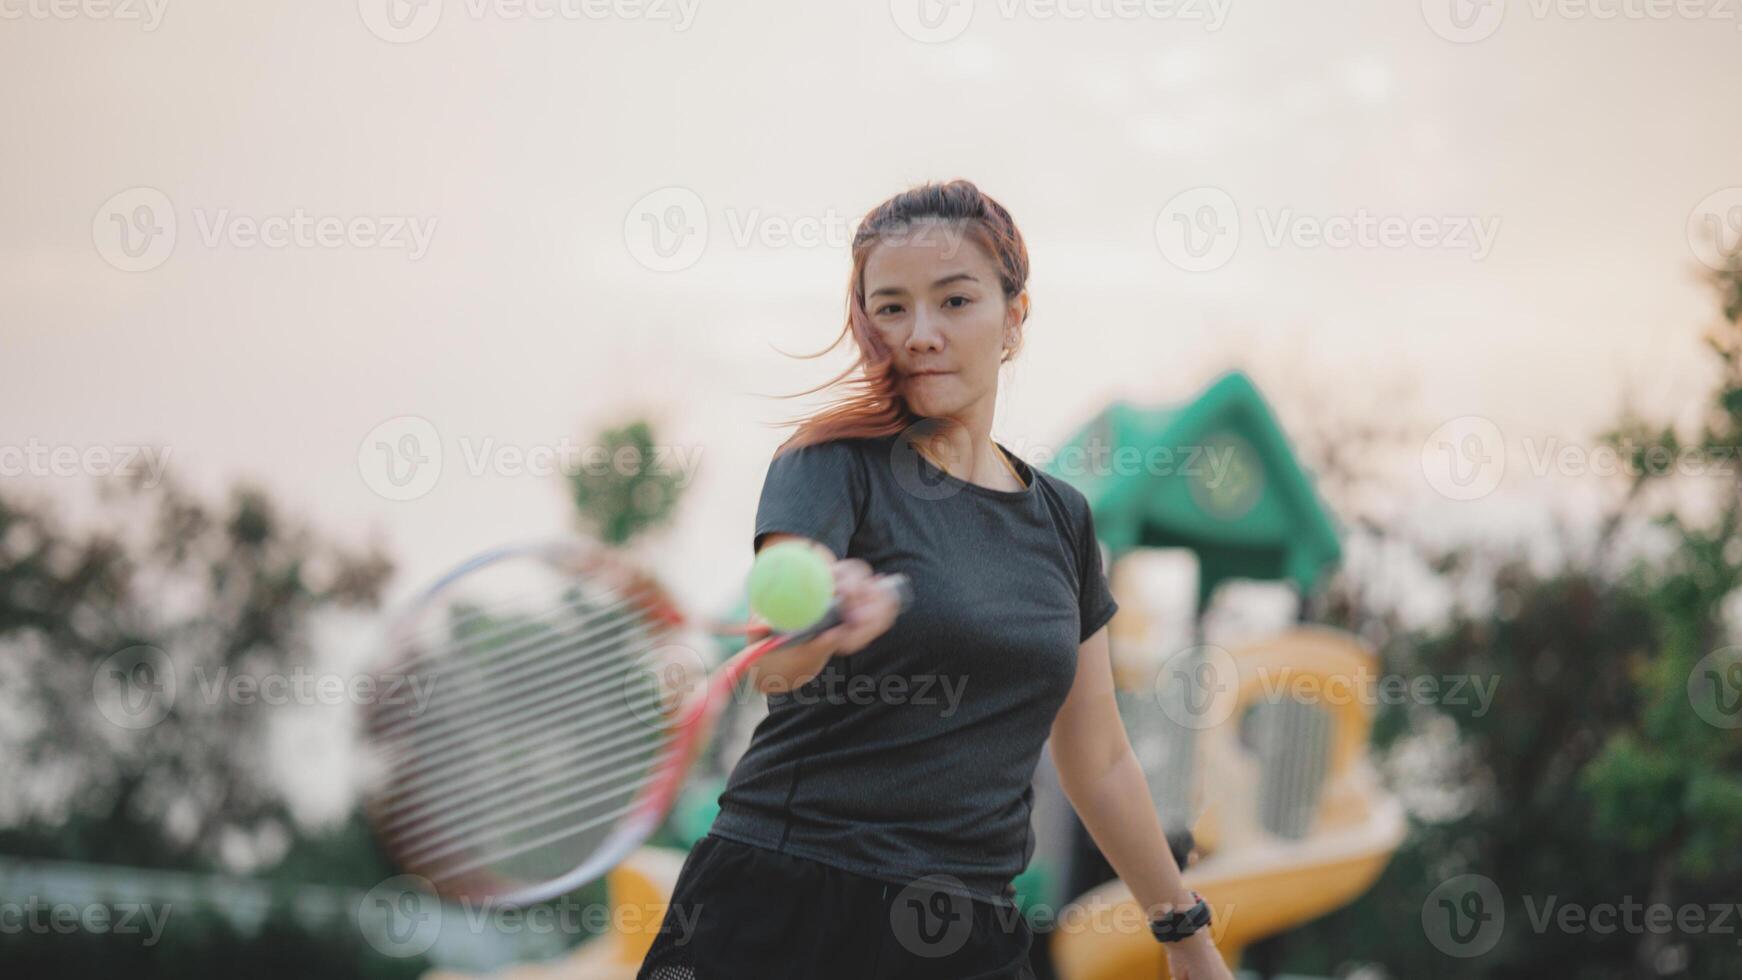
point(1269, 737)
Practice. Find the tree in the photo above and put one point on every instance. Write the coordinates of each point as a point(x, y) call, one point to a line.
point(1597, 778)
point(110, 639)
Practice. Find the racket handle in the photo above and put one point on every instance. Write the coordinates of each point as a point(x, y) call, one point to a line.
point(894, 582)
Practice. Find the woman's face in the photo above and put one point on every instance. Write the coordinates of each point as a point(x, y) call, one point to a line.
point(934, 298)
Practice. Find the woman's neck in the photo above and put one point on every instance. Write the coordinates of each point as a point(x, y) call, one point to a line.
point(973, 458)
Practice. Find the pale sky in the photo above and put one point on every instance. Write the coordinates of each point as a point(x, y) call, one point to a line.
point(526, 150)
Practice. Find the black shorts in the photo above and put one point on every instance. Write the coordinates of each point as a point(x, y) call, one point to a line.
point(741, 912)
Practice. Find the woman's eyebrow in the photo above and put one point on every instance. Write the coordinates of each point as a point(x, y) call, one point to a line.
point(945, 281)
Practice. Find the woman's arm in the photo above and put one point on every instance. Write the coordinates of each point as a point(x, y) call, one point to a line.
point(1101, 776)
point(866, 612)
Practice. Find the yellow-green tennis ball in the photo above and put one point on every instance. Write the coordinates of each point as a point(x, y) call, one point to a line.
point(790, 585)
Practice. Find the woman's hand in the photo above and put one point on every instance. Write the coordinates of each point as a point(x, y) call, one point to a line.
point(1195, 958)
point(867, 611)
point(868, 607)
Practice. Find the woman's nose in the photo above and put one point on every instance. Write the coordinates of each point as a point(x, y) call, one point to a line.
point(925, 335)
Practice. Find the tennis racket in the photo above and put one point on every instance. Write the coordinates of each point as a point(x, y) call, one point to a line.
point(551, 699)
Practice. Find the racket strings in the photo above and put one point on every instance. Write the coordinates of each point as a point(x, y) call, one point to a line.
point(544, 729)
point(587, 689)
point(440, 783)
point(436, 637)
point(471, 658)
point(485, 701)
point(457, 819)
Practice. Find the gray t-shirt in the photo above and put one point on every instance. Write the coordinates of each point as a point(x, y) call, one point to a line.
point(915, 756)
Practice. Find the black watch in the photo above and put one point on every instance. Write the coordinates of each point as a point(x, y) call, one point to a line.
point(1181, 923)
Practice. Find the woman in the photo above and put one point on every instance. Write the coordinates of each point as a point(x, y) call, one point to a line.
point(874, 824)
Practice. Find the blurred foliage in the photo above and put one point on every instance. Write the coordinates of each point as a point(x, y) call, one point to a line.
point(218, 592)
point(1591, 780)
point(202, 944)
point(625, 487)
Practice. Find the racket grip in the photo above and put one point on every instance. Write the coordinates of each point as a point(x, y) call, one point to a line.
point(894, 582)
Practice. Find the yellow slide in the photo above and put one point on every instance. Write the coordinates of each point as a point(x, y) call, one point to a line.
point(1260, 882)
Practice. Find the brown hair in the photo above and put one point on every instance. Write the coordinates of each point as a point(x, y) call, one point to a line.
point(874, 405)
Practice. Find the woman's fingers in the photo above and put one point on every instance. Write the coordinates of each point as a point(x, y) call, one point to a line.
point(868, 607)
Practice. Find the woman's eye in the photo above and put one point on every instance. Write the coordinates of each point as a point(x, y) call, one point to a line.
point(965, 300)
point(892, 307)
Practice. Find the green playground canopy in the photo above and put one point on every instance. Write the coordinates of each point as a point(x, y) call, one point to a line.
point(1214, 474)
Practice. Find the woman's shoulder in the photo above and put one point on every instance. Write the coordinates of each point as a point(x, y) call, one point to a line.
point(1069, 504)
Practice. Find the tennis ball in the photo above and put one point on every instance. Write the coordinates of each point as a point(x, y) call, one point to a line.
point(790, 585)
